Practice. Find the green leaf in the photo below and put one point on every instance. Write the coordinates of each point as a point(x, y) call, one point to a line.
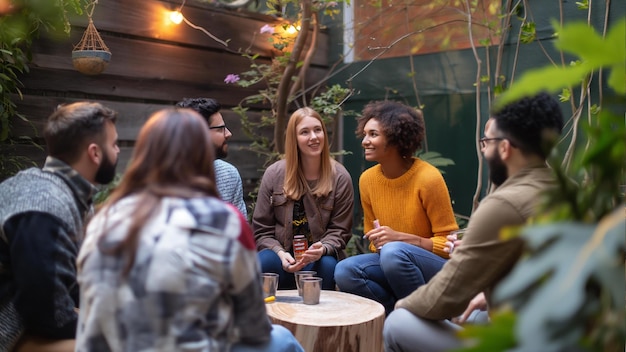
point(497, 336)
point(582, 40)
point(555, 288)
point(616, 37)
point(582, 5)
point(435, 159)
point(617, 79)
point(485, 42)
point(550, 79)
point(596, 52)
point(529, 33)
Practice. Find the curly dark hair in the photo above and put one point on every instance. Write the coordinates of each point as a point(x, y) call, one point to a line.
point(402, 125)
point(207, 107)
point(532, 124)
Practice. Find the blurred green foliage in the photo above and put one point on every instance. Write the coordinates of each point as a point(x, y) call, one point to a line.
point(567, 292)
point(594, 51)
point(18, 27)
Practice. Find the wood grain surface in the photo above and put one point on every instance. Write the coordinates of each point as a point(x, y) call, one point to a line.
point(340, 322)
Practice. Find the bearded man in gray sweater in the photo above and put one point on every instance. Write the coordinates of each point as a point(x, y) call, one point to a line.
point(42, 216)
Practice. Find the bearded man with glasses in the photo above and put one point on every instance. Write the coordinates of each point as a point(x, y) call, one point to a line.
point(229, 184)
point(517, 141)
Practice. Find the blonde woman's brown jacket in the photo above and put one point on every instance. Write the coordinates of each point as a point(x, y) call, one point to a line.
point(330, 217)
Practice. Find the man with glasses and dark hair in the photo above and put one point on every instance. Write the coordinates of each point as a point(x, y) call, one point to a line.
point(516, 142)
point(227, 176)
point(42, 212)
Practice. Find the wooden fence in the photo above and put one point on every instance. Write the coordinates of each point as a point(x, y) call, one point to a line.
point(155, 64)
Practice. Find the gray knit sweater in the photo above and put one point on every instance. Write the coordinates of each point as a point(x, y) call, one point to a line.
point(53, 202)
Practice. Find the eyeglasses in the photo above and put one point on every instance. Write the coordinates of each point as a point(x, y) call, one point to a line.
point(223, 128)
point(483, 141)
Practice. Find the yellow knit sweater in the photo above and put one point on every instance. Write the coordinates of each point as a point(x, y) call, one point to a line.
point(417, 202)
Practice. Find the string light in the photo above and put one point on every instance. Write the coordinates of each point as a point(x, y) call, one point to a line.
point(176, 17)
point(292, 29)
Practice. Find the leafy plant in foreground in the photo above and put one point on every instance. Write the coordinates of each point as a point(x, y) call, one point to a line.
point(567, 292)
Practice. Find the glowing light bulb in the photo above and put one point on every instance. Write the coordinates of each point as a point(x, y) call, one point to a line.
point(176, 17)
point(293, 29)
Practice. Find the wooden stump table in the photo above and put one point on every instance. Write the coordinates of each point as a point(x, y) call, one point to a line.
point(341, 322)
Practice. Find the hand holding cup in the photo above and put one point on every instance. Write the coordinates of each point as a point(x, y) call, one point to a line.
point(454, 240)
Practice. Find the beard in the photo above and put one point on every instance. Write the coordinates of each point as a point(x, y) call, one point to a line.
point(221, 152)
point(497, 170)
point(106, 170)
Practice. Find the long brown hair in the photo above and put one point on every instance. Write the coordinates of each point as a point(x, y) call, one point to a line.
point(173, 156)
point(295, 185)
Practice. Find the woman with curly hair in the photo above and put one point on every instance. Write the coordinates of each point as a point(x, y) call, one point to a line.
point(406, 207)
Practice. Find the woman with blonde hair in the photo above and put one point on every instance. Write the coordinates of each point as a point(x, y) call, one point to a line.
point(306, 193)
point(166, 265)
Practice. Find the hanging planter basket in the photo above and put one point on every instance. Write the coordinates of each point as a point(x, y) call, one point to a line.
point(91, 56)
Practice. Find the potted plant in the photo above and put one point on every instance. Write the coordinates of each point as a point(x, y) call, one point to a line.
point(91, 56)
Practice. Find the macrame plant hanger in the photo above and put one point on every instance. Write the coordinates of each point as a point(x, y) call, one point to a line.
point(91, 56)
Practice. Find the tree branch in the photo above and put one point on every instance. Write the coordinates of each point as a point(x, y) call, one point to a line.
point(285, 81)
point(300, 81)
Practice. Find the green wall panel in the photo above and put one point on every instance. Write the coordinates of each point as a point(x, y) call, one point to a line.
point(445, 87)
point(449, 131)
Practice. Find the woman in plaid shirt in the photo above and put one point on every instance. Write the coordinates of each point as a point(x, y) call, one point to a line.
point(166, 265)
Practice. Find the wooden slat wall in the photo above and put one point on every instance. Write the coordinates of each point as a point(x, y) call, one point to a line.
point(154, 64)
point(159, 71)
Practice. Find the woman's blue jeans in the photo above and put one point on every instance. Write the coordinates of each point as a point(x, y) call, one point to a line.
point(390, 275)
point(325, 268)
point(282, 340)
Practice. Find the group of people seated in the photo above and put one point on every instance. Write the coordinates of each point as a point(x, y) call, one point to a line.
point(170, 261)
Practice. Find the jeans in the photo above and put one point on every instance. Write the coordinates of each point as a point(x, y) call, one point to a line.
point(325, 268)
point(282, 340)
point(390, 275)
